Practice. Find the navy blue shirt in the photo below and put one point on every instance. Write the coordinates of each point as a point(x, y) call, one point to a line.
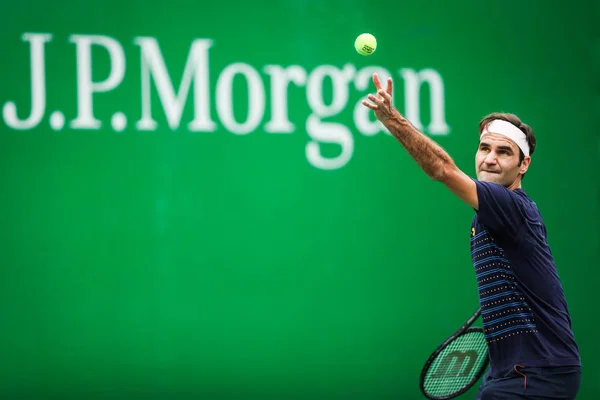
point(523, 307)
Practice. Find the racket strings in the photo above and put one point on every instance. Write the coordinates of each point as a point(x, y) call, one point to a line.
point(457, 365)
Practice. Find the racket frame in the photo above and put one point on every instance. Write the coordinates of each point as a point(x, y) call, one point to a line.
point(466, 328)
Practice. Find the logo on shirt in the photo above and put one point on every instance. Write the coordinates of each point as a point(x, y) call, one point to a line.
point(473, 231)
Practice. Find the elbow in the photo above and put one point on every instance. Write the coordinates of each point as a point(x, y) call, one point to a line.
point(437, 175)
point(443, 173)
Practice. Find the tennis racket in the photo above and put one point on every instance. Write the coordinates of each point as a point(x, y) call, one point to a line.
point(457, 364)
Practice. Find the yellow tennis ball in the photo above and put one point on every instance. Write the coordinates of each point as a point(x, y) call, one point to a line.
point(365, 44)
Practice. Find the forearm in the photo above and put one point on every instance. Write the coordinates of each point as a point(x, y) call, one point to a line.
point(429, 155)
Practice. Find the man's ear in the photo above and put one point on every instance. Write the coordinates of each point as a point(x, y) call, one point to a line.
point(525, 165)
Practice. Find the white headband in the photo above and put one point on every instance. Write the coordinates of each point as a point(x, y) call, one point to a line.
point(507, 129)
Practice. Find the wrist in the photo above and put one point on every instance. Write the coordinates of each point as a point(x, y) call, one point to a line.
point(397, 120)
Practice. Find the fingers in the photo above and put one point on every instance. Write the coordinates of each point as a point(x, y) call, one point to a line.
point(370, 105)
point(387, 97)
point(378, 86)
point(383, 98)
point(377, 81)
point(376, 99)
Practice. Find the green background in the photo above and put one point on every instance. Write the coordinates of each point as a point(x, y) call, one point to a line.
point(172, 264)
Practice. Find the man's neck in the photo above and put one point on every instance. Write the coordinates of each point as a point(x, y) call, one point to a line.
point(516, 184)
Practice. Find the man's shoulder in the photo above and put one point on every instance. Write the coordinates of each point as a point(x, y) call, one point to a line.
point(529, 207)
point(507, 212)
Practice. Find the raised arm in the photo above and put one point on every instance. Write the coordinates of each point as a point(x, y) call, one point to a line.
point(430, 156)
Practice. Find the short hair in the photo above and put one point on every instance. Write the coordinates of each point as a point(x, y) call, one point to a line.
point(516, 121)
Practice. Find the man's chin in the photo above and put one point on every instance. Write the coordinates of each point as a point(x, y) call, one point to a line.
point(489, 177)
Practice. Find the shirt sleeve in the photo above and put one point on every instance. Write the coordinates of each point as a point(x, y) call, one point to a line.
point(499, 209)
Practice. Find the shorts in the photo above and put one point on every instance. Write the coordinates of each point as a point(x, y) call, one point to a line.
point(534, 383)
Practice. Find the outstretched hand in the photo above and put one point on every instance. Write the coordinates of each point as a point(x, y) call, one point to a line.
point(382, 104)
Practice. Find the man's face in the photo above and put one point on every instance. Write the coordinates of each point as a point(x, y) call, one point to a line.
point(497, 160)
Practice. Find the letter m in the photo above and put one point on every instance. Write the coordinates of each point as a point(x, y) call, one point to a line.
point(196, 69)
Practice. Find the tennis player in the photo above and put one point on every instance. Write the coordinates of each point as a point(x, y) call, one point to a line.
point(532, 350)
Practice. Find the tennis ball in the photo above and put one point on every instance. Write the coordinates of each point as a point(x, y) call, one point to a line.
point(365, 44)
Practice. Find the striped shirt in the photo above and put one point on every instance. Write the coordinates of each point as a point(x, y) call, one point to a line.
point(505, 311)
point(523, 307)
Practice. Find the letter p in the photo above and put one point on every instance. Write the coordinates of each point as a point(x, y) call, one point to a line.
point(85, 86)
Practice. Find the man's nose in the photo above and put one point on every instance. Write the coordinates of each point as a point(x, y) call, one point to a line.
point(490, 158)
